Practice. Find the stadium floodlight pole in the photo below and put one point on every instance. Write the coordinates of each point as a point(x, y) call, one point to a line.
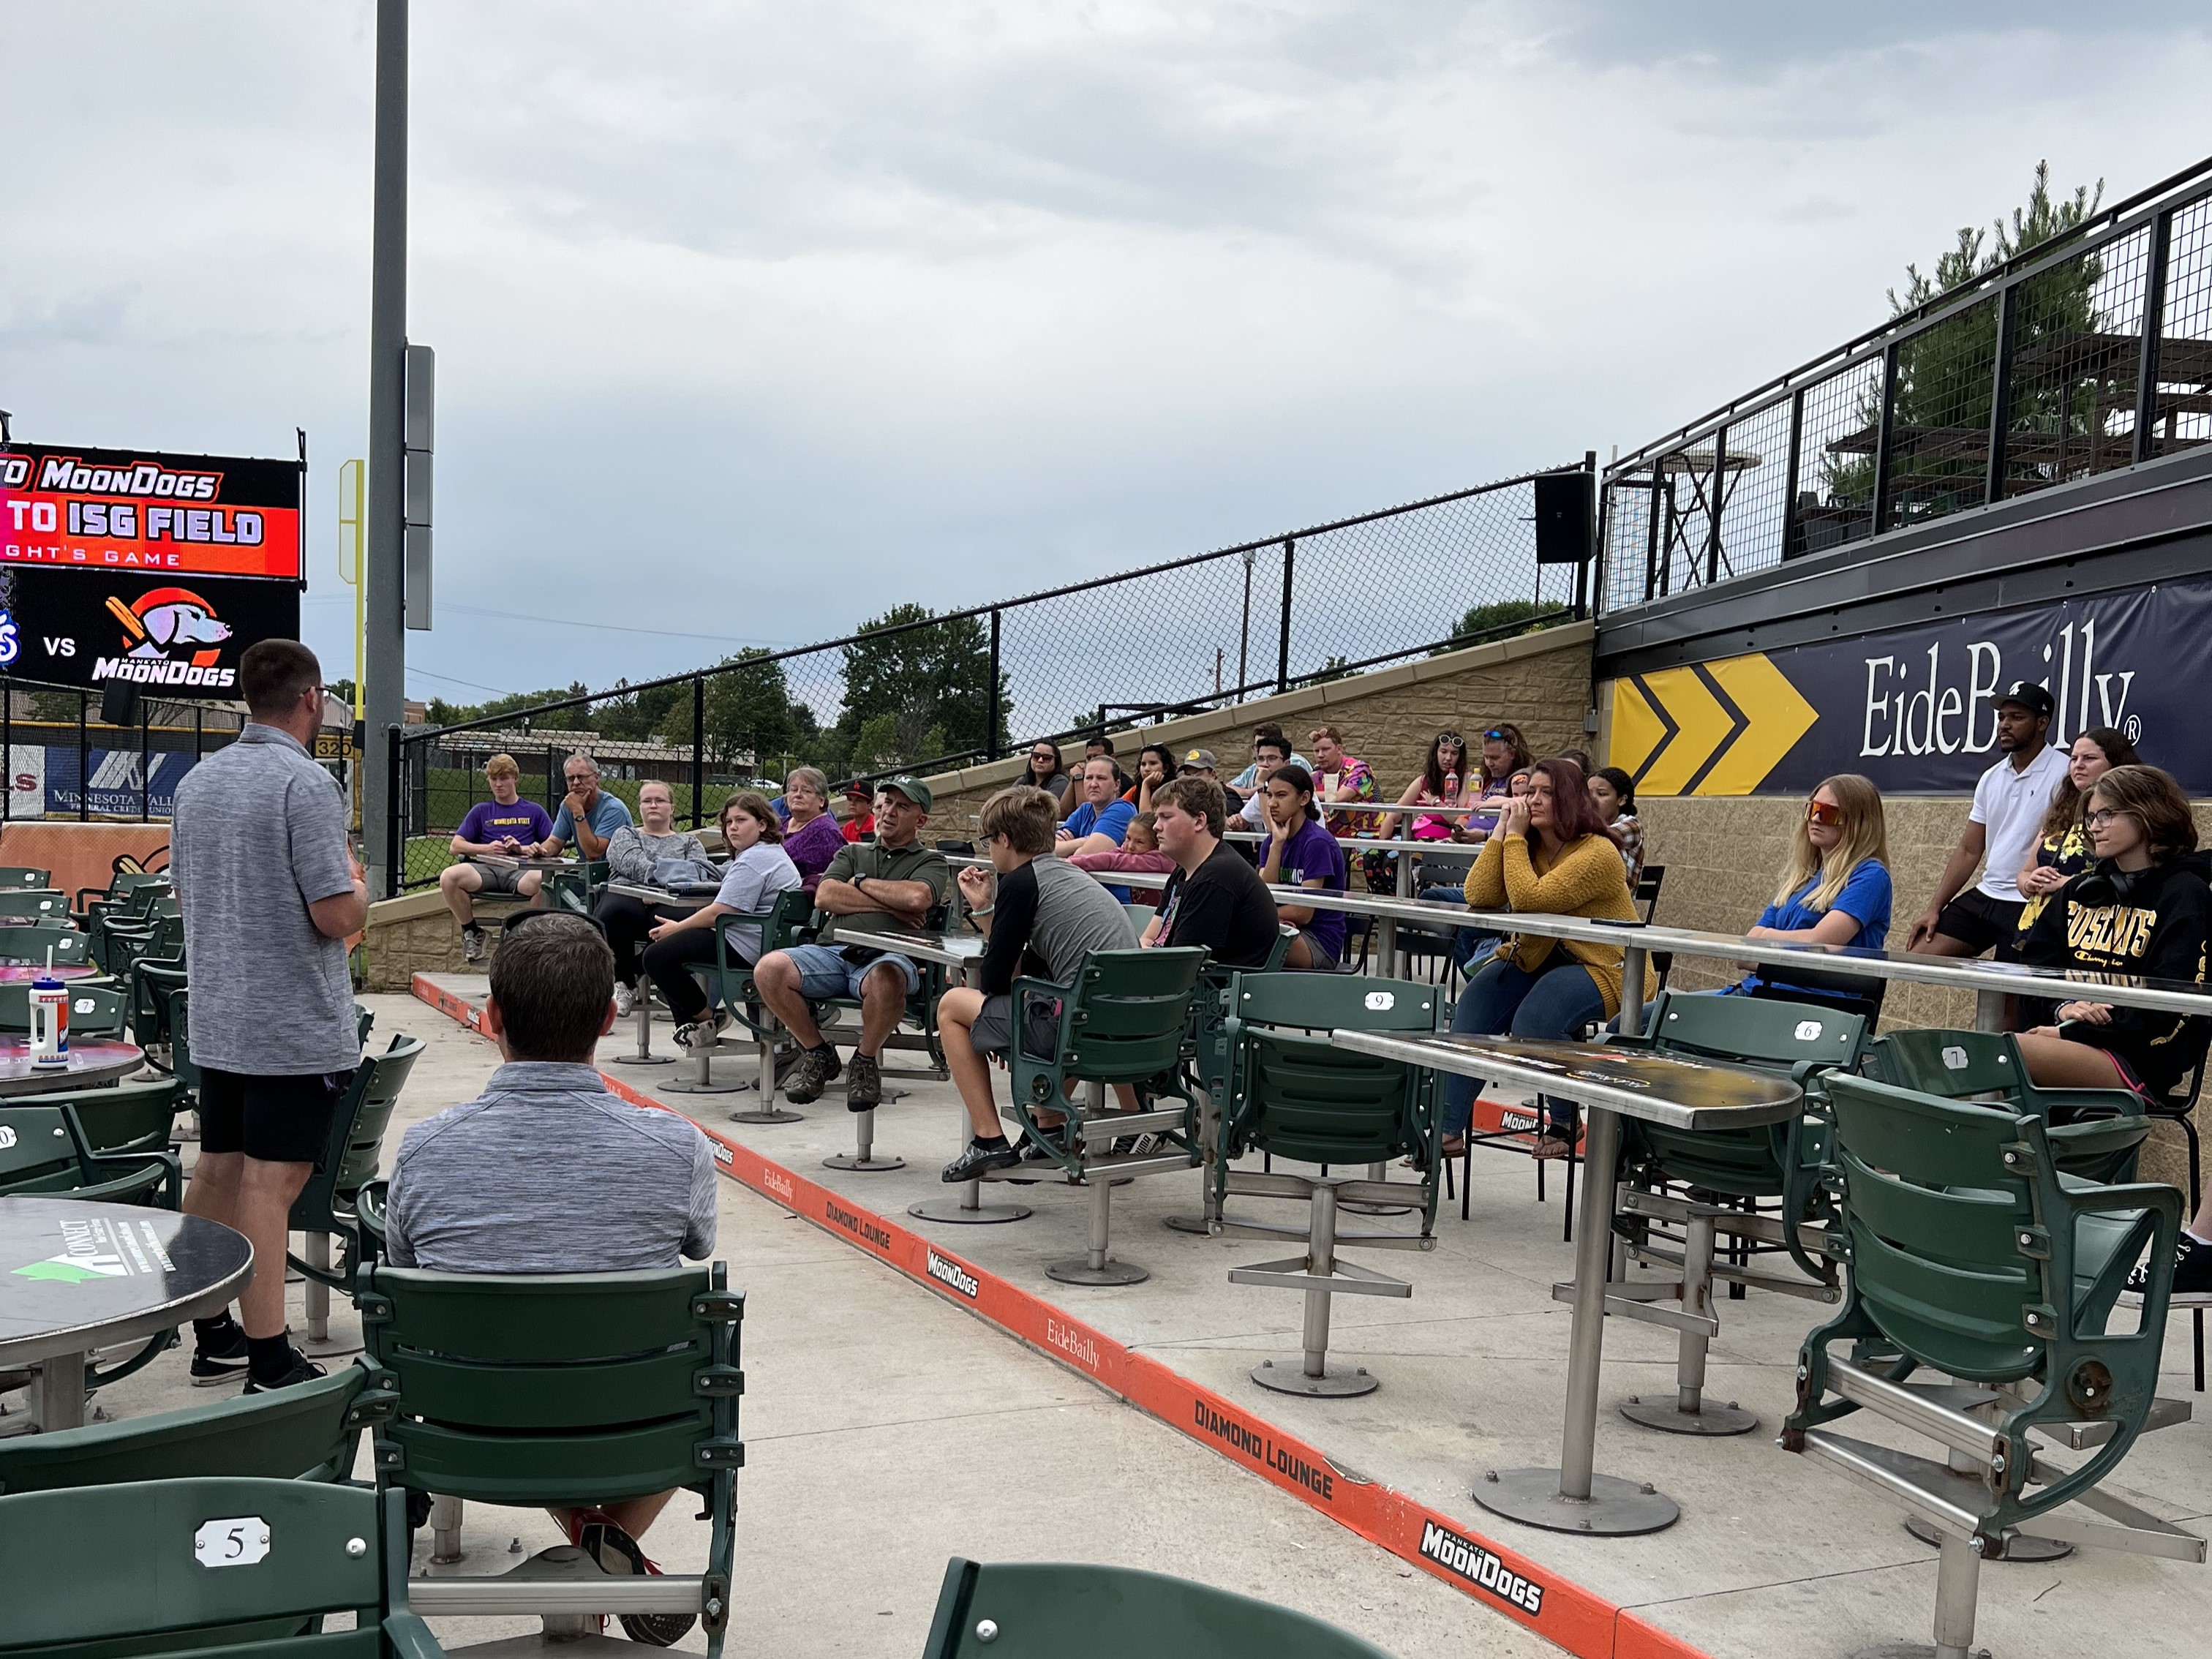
point(387, 360)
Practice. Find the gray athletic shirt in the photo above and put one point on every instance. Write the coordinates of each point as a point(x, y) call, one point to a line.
point(261, 835)
point(549, 1172)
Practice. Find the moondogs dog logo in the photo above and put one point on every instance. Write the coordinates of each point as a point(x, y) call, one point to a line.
point(172, 636)
point(953, 1276)
point(1480, 1568)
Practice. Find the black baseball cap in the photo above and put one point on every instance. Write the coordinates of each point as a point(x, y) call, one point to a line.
point(2028, 695)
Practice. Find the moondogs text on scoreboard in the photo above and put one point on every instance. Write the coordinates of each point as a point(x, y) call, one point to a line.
point(136, 510)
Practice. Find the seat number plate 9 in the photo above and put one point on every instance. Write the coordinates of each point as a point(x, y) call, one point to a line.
point(239, 1542)
point(1381, 1000)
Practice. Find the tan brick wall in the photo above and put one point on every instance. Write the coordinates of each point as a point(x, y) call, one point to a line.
point(416, 934)
point(1541, 682)
point(1723, 854)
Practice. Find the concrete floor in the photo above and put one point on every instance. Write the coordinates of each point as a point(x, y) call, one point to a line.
point(887, 1430)
point(1773, 1554)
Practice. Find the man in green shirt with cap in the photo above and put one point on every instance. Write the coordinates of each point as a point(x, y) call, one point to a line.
point(892, 882)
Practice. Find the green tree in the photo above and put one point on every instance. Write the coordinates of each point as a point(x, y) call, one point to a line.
point(917, 695)
point(1942, 414)
point(441, 712)
point(749, 718)
point(1500, 619)
point(637, 715)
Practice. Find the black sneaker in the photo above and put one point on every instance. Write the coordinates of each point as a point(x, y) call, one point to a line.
point(705, 1031)
point(618, 1553)
point(817, 1069)
point(220, 1358)
point(864, 1085)
point(980, 1160)
point(303, 1370)
point(2192, 1276)
point(472, 943)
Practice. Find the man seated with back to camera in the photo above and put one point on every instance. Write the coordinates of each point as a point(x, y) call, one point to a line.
point(891, 883)
point(1215, 898)
point(1041, 917)
point(490, 1186)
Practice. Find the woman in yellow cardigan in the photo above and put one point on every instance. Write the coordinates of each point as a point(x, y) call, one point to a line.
point(1549, 855)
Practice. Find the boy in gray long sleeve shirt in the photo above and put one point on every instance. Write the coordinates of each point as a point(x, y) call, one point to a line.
point(549, 1172)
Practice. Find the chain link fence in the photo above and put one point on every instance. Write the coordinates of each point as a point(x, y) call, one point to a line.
point(922, 692)
point(66, 761)
point(2083, 355)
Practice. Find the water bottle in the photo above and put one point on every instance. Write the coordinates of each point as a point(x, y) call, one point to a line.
point(49, 1022)
point(1451, 787)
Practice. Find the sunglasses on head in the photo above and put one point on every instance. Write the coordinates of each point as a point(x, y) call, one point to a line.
point(1497, 734)
point(1453, 738)
point(1819, 812)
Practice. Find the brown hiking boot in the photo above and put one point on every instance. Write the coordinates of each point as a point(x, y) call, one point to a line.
point(864, 1085)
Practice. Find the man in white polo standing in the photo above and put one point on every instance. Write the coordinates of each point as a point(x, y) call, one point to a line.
point(271, 893)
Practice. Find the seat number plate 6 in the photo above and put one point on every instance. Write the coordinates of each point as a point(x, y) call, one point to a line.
point(1380, 1000)
point(239, 1542)
point(1808, 1030)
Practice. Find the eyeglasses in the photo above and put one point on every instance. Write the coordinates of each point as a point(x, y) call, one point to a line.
point(1819, 812)
point(2102, 817)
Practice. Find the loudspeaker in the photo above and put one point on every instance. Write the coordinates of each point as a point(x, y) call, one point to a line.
point(1566, 517)
point(119, 702)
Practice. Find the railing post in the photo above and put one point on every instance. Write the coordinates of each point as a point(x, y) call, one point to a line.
point(1244, 628)
point(395, 761)
point(84, 759)
point(1652, 530)
point(1599, 553)
point(1993, 486)
point(991, 703)
point(2153, 326)
point(1713, 505)
point(1282, 648)
point(1883, 432)
point(145, 783)
point(8, 748)
point(1789, 477)
point(698, 748)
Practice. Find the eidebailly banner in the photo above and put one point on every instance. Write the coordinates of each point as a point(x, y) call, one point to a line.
point(1910, 708)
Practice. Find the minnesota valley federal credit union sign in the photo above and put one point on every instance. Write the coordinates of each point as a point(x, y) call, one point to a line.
point(126, 566)
point(1910, 708)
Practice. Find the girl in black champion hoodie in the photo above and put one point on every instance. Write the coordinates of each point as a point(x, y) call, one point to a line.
point(2142, 911)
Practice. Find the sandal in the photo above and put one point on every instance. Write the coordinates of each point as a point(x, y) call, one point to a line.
point(1550, 1147)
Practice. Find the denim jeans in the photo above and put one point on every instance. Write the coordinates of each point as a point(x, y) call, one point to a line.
point(1502, 1001)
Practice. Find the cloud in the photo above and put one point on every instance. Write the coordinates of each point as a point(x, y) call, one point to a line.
point(754, 320)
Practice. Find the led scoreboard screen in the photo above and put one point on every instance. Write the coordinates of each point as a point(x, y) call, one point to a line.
point(124, 510)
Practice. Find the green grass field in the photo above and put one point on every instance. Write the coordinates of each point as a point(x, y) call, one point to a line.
point(450, 792)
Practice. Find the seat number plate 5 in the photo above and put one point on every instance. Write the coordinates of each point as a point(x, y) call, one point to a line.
point(239, 1542)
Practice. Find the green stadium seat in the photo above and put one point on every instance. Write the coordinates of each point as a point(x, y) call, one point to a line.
point(1295, 1096)
point(309, 1431)
point(1711, 1185)
point(1075, 1610)
point(573, 1388)
point(34, 904)
point(1970, 1254)
point(325, 1208)
point(124, 1117)
point(96, 1008)
point(46, 1153)
point(781, 925)
point(238, 1569)
point(37, 945)
point(22, 875)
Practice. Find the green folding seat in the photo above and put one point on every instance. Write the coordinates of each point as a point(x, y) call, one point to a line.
point(125, 1118)
point(1295, 1097)
point(782, 925)
point(533, 1390)
point(35, 904)
point(39, 944)
point(238, 1569)
point(1970, 1255)
point(22, 875)
point(96, 1008)
point(328, 1206)
point(1076, 1610)
point(44, 1152)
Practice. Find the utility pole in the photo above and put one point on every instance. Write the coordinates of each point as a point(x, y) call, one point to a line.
point(387, 364)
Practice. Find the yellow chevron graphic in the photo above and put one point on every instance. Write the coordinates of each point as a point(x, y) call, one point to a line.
point(1715, 728)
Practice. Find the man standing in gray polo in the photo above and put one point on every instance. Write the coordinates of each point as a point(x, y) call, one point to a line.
point(270, 893)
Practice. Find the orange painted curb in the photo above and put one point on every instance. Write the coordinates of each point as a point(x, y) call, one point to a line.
point(1492, 1574)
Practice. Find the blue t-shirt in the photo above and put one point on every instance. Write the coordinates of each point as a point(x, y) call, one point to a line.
point(1088, 820)
point(1311, 854)
point(608, 815)
point(488, 821)
point(1865, 898)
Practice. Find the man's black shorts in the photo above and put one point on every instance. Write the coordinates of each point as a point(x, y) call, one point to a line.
point(278, 1120)
point(1977, 921)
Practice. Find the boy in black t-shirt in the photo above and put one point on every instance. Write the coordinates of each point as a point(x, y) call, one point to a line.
point(1215, 898)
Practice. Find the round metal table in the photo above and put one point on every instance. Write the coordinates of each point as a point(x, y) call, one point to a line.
point(22, 973)
point(92, 1060)
point(75, 1276)
point(1610, 1084)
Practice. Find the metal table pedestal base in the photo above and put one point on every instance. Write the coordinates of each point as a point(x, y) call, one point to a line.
point(1108, 1272)
point(1614, 1509)
point(969, 1210)
point(862, 1159)
point(1711, 1419)
point(1290, 1377)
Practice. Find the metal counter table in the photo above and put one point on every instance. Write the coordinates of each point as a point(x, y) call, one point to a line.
point(92, 1061)
point(652, 898)
point(1686, 1095)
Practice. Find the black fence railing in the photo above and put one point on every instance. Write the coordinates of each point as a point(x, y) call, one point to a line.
point(926, 691)
point(2085, 353)
point(66, 761)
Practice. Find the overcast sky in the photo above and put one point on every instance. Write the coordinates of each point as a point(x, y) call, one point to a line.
point(752, 320)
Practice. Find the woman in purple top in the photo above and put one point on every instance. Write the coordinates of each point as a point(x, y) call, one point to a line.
point(1300, 853)
point(811, 838)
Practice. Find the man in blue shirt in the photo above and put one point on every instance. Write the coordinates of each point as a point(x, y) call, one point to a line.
point(588, 815)
point(1100, 824)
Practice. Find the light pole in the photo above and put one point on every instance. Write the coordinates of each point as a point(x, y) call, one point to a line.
point(385, 677)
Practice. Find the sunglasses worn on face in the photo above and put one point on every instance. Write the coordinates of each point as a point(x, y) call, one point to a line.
point(1819, 812)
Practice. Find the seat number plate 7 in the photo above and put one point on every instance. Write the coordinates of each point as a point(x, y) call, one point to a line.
point(239, 1542)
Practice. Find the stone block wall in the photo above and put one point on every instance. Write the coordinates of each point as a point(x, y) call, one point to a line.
point(415, 934)
point(1540, 681)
